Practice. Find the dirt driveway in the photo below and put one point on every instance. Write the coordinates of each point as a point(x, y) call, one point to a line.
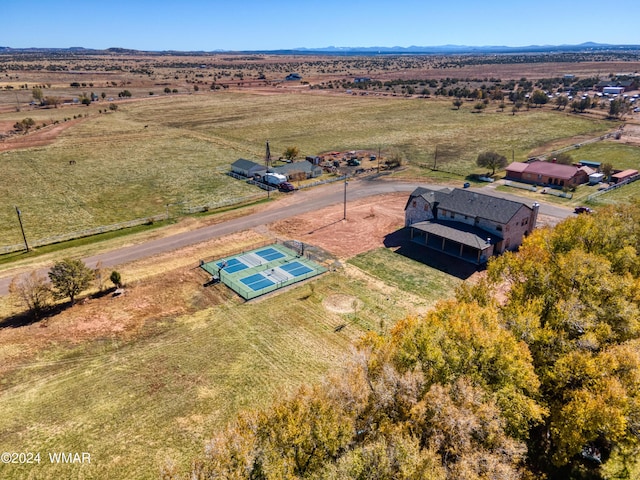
point(368, 222)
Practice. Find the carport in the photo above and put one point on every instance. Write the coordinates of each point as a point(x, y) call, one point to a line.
point(456, 239)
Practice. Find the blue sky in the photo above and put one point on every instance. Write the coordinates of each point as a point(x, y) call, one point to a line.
point(281, 24)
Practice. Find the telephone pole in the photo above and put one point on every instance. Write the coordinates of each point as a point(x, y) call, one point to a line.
point(344, 217)
point(267, 160)
point(26, 245)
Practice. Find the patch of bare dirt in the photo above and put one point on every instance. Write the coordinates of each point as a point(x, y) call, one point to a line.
point(631, 134)
point(341, 303)
point(368, 222)
point(37, 138)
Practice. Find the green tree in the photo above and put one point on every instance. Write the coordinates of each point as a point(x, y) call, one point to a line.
point(561, 102)
point(291, 153)
point(564, 158)
point(617, 108)
point(517, 105)
point(113, 107)
point(607, 169)
point(539, 98)
point(491, 160)
point(116, 279)
point(24, 125)
point(69, 278)
point(52, 101)
point(37, 94)
point(457, 103)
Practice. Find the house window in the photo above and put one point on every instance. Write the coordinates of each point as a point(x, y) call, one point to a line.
point(414, 204)
point(426, 207)
point(499, 228)
point(452, 215)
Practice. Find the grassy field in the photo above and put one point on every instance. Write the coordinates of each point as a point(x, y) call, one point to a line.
point(137, 398)
point(405, 274)
point(175, 150)
point(619, 155)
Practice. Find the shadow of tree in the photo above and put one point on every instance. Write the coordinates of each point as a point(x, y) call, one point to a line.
point(23, 319)
point(400, 242)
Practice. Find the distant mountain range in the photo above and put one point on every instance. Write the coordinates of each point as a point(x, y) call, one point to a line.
point(442, 50)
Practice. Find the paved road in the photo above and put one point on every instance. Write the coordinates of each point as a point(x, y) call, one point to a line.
point(301, 202)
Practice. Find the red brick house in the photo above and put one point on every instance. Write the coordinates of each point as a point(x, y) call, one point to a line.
point(466, 224)
point(548, 174)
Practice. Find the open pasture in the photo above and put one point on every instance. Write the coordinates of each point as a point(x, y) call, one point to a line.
point(175, 150)
point(140, 397)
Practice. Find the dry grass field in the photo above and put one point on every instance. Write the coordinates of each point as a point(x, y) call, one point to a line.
point(142, 380)
point(112, 167)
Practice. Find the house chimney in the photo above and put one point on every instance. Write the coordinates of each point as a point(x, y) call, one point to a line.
point(534, 217)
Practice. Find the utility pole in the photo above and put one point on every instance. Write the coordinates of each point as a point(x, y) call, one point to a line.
point(344, 217)
point(26, 245)
point(267, 160)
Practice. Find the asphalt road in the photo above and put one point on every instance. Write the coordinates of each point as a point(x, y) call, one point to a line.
point(303, 202)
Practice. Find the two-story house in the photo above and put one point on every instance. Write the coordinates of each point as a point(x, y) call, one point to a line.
point(466, 224)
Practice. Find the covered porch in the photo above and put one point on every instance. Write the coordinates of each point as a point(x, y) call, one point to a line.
point(456, 239)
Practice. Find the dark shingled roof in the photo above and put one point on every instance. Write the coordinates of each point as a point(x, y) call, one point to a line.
point(288, 168)
point(245, 164)
point(470, 203)
point(459, 232)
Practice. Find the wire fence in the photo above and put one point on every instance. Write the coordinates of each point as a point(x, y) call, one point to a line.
point(293, 251)
point(522, 186)
point(613, 187)
point(248, 293)
point(65, 237)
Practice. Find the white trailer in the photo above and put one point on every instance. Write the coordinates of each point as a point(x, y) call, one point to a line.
point(273, 178)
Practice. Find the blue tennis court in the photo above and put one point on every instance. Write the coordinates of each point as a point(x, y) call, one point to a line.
point(256, 282)
point(270, 254)
point(296, 269)
point(262, 270)
point(233, 265)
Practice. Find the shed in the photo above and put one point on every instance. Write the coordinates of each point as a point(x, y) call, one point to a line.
point(594, 165)
point(247, 168)
point(624, 175)
point(613, 90)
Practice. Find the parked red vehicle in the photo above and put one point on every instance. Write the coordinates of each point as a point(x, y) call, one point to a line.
point(286, 187)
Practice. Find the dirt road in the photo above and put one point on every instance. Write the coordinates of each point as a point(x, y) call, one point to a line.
point(295, 204)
